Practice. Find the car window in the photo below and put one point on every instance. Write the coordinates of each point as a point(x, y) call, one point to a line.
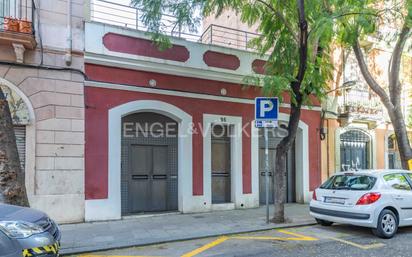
point(397, 181)
point(349, 182)
point(409, 175)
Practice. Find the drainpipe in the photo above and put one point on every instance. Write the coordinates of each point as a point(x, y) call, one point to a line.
point(68, 56)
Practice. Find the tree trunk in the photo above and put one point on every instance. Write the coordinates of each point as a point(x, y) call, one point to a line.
point(295, 111)
point(392, 102)
point(401, 133)
point(12, 183)
point(280, 163)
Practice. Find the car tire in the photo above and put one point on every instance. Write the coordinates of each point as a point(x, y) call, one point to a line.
point(324, 222)
point(387, 224)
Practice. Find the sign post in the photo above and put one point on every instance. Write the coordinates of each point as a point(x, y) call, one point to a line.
point(266, 116)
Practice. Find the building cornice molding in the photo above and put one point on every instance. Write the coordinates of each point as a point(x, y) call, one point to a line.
point(144, 89)
point(158, 67)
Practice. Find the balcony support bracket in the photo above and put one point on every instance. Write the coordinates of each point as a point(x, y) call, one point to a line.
point(19, 50)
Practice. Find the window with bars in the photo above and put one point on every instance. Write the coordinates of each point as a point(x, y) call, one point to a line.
point(13, 11)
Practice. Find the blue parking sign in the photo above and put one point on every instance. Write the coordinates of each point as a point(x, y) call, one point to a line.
point(266, 108)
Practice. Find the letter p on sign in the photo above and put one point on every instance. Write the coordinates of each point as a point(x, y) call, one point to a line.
point(266, 108)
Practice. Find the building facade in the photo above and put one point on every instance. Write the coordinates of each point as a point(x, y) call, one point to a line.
point(41, 64)
point(356, 131)
point(212, 157)
point(359, 133)
point(107, 125)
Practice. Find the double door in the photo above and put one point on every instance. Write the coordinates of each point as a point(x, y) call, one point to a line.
point(148, 180)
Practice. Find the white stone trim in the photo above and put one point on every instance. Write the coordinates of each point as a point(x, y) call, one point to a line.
point(303, 193)
point(388, 133)
point(372, 146)
point(97, 53)
point(161, 67)
point(235, 124)
point(184, 94)
point(30, 161)
point(110, 208)
point(255, 176)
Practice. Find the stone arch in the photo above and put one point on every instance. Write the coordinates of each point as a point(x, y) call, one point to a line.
point(30, 158)
point(111, 208)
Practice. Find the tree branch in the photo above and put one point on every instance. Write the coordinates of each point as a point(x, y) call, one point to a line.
point(394, 67)
point(369, 79)
point(303, 42)
point(355, 13)
point(281, 17)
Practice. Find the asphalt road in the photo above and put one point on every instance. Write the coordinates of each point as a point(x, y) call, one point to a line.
point(337, 240)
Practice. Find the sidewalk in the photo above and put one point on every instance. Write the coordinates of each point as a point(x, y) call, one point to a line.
point(144, 230)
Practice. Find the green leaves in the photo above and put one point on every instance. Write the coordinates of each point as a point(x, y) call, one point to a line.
point(170, 17)
point(329, 22)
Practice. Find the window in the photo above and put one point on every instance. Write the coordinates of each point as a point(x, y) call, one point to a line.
point(349, 182)
point(409, 175)
point(397, 181)
point(391, 142)
point(394, 160)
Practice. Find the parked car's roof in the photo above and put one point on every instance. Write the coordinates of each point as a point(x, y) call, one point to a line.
point(374, 171)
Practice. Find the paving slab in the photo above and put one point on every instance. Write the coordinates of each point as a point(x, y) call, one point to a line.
point(154, 229)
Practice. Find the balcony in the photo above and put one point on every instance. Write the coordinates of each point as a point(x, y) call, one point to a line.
point(358, 104)
point(227, 37)
point(126, 16)
point(16, 25)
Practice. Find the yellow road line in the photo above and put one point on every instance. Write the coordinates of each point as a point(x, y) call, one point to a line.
point(297, 237)
point(206, 247)
point(274, 238)
point(363, 247)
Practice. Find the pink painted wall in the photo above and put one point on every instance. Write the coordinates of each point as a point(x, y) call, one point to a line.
point(100, 100)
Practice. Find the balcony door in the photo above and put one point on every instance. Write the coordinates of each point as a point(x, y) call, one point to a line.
point(9, 8)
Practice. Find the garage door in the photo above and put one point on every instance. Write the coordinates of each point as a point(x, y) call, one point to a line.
point(149, 164)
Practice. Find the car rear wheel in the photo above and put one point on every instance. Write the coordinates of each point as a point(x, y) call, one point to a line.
point(387, 224)
point(324, 222)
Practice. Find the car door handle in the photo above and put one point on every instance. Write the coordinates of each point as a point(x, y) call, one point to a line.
point(399, 198)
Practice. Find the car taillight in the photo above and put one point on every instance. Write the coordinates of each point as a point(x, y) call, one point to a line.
point(314, 195)
point(368, 198)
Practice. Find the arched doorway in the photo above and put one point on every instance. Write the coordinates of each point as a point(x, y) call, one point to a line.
point(149, 171)
point(110, 208)
point(355, 150)
point(20, 117)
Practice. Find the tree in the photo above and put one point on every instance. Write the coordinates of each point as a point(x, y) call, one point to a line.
point(295, 34)
point(389, 22)
point(12, 182)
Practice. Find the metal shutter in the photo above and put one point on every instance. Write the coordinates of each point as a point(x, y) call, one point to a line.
point(20, 132)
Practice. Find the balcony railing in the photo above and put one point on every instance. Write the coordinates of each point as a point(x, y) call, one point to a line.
point(224, 36)
point(360, 104)
point(130, 17)
point(16, 16)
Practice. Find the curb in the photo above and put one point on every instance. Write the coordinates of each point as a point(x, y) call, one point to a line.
point(103, 247)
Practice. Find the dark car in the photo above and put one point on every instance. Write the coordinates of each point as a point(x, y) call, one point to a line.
point(27, 232)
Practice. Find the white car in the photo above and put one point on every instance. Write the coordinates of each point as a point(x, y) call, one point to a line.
point(378, 199)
